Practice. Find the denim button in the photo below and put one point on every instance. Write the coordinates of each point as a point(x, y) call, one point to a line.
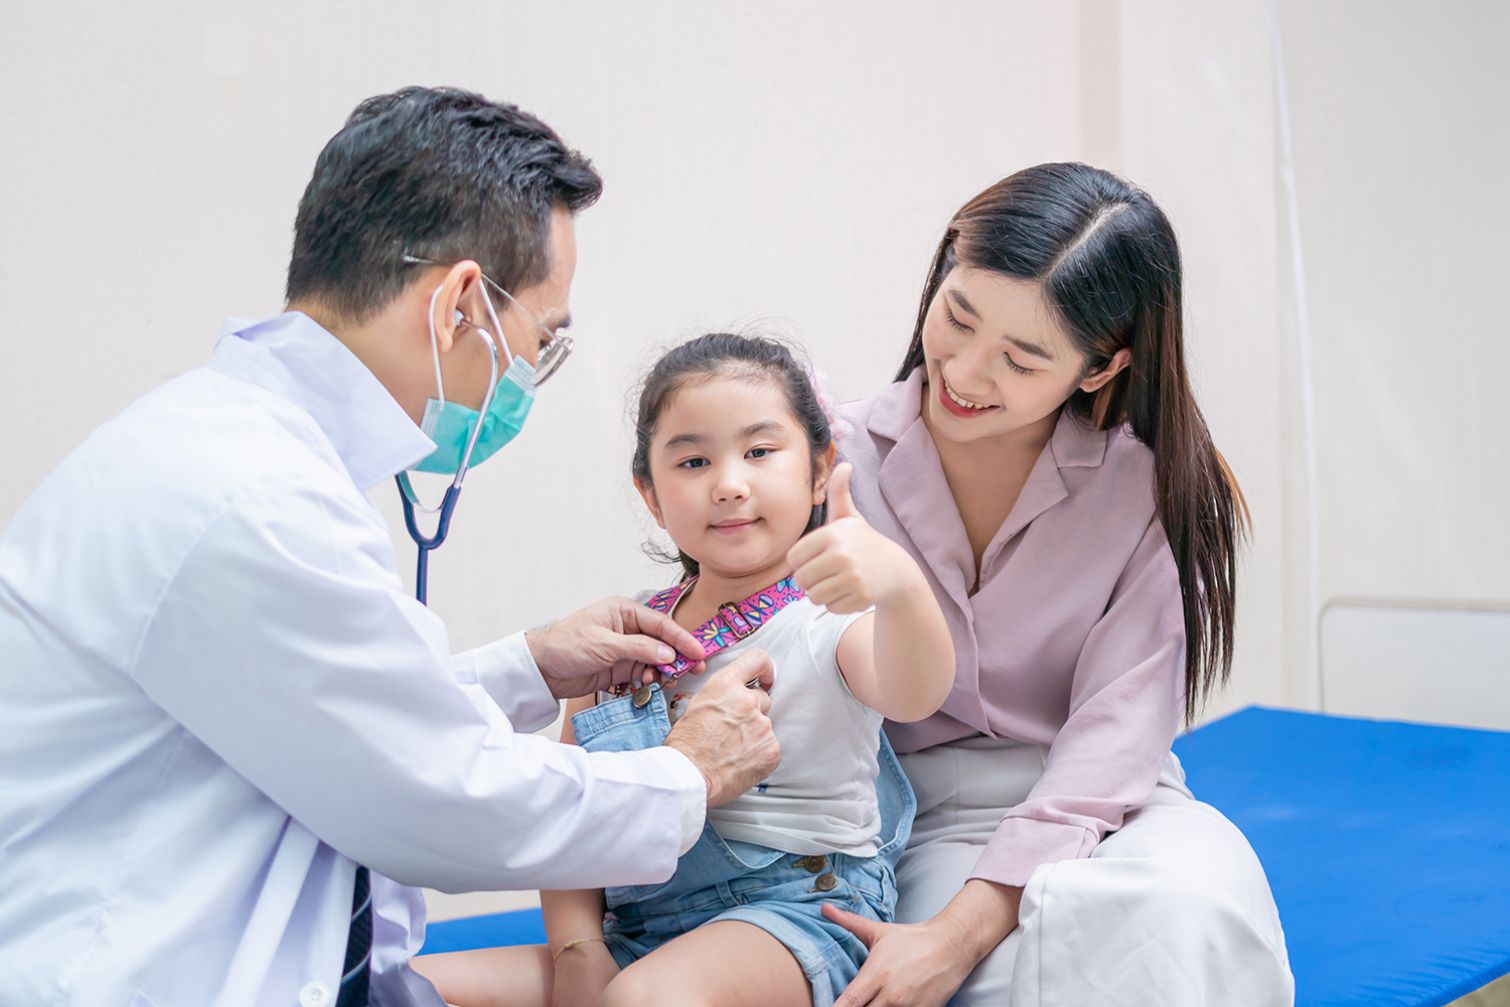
point(641, 696)
point(825, 883)
point(813, 864)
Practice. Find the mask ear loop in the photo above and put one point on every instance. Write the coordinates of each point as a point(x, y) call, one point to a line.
point(440, 386)
point(487, 400)
point(532, 373)
point(487, 302)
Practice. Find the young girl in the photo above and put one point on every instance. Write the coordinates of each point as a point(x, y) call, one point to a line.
point(734, 459)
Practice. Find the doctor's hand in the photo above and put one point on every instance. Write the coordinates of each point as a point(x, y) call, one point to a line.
point(610, 643)
point(847, 566)
point(726, 731)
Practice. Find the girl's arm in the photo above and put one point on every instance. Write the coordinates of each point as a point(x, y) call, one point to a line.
point(899, 661)
point(574, 923)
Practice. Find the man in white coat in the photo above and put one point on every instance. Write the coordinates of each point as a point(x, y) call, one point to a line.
point(230, 740)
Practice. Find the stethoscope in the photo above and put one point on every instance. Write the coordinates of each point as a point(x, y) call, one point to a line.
point(429, 543)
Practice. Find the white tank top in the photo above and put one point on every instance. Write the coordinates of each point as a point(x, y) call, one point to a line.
point(822, 798)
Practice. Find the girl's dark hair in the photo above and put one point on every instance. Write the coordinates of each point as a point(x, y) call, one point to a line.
point(1106, 259)
point(726, 354)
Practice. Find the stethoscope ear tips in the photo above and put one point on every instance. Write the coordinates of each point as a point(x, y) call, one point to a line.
point(457, 317)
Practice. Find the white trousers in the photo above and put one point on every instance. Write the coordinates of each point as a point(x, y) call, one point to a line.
point(1172, 909)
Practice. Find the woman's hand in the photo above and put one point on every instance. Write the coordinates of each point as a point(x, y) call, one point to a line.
point(924, 964)
point(583, 972)
point(847, 566)
point(919, 964)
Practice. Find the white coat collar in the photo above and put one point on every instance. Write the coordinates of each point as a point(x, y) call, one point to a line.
point(295, 357)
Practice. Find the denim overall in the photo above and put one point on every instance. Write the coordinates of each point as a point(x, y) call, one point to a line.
point(779, 892)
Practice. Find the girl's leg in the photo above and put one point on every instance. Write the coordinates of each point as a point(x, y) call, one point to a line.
point(726, 963)
point(491, 977)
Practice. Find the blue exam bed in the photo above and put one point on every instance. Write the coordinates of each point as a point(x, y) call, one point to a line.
point(1385, 844)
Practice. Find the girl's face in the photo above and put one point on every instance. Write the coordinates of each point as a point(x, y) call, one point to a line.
point(998, 361)
point(731, 475)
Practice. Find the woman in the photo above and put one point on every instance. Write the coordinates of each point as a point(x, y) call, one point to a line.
point(1042, 456)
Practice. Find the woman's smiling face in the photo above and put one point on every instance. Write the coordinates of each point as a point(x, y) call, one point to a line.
point(998, 360)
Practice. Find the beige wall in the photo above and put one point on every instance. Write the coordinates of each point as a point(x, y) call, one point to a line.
point(793, 164)
point(1196, 95)
point(1402, 155)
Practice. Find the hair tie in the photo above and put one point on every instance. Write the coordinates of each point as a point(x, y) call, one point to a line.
point(838, 426)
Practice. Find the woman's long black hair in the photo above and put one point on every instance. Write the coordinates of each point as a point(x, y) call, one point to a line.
point(1107, 261)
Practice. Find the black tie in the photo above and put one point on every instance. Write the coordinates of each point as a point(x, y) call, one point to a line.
point(356, 971)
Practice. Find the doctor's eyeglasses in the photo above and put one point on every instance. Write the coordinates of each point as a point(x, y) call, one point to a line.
point(553, 352)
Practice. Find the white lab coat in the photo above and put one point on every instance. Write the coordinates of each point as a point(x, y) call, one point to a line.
point(216, 698)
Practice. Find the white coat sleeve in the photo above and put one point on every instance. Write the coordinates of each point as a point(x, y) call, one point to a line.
point(286, 644)
point(506, 671)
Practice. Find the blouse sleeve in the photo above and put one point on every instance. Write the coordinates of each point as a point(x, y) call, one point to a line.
point(1126, 704)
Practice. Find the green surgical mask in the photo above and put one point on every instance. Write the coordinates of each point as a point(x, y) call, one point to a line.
point(463, 436)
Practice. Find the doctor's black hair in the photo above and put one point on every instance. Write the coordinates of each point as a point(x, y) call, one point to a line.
point(727, 354)
point(439, 173)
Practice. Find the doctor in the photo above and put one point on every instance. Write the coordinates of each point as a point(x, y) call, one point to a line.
point(229, 739)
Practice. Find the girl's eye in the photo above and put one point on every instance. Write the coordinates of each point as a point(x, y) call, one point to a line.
point(1016, 367)
point(692, 463)
point(757, 452)
point(949, 314)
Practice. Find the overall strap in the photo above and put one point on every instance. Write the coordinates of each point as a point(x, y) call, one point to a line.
point(733, 622)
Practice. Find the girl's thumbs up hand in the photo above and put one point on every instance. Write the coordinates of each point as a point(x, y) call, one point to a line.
point(847, 566)
point(840, 504)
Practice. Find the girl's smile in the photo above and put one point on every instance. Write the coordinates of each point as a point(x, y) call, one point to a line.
point(734, 527)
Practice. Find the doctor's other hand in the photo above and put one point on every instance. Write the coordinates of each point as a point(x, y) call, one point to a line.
point(726, 731)
point(609, 643)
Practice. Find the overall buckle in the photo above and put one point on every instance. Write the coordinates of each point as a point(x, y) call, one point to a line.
point(735, 620)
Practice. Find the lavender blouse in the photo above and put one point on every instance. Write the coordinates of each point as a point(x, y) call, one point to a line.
point(1075, 639)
